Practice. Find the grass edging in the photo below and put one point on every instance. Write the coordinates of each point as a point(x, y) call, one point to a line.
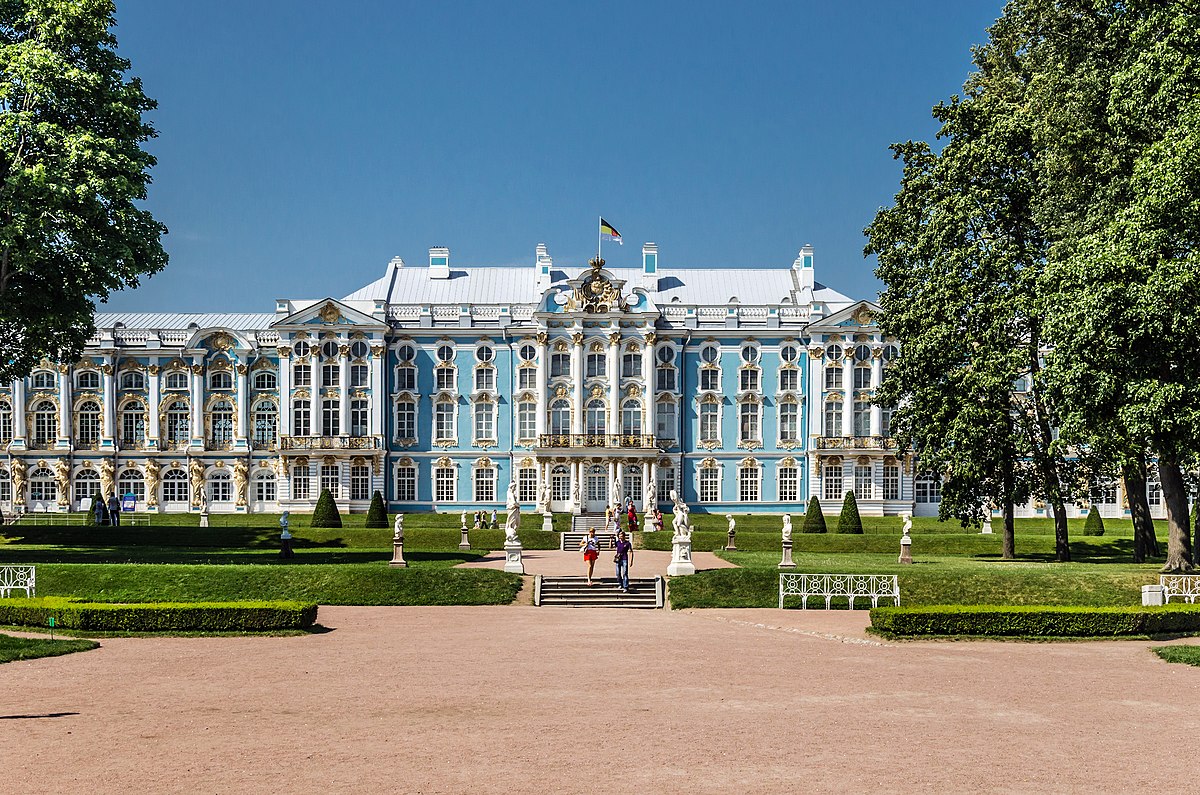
point(75, 614)
point(1035, 621)
point(1187, 655)
point(13, 649)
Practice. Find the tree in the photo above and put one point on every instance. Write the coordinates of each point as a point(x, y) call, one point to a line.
point(326, 513)
point(814, 520)
point(849, 521)
point(1094, 525)
point(377, 514)
point(73, 169)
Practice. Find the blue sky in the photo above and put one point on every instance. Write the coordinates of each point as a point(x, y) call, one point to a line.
point(303, 144)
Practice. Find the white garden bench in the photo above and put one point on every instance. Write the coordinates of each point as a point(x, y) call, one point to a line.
point(851, 586)
point(1181, 586)
point(17, 578)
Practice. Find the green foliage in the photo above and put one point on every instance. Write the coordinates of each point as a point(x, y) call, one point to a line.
point(32, 648)
point(1036, 620)
point(89, 518)
point(849, 521)
point(326, 514)
point(158, 617)
point(1094, 526)
point(1188, 655)
point(814, 520)
point(377, 514)
point(74, 174)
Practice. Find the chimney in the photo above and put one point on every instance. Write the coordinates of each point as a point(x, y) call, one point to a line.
point(544, 263)
point(439, 263)
point(803, 266)
point(650, 267)
point(396, 262)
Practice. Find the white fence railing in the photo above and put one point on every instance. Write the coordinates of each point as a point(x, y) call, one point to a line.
point(848, 586)
point(1181, 586)
point(18, 578)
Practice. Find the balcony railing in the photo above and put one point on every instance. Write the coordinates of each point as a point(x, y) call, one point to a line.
point(854, 443)
point(637, 441)
point(330, 443)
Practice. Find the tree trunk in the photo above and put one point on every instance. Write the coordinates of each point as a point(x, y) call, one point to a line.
point(1043, 453)
point(1179, 536)
point(1062, 543)
point(1009, 548)
point(1145, 543)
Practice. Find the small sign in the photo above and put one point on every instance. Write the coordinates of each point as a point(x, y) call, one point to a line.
point(51, 622)
point(128, 503)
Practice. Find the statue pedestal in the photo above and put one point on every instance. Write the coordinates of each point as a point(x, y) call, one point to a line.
point(204, 519)
point(681, 557)
point(732, 545)
point(548, 522)
point(987, 526)
point(512, 557)
point(465, 543)
point(648, 525)
point(787, 563)
point(906, 549)
point(398, 555)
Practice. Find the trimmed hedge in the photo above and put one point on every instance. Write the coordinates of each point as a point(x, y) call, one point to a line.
point(325, 514)
point(1036, 620)
point(158, 616)
point(814, 520)
point(1094, 526)
point(850, 521)
point(377, 514)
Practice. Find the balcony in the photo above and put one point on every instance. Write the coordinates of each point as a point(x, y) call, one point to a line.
point(598, 440)
point(315, 443)
point(854, 443)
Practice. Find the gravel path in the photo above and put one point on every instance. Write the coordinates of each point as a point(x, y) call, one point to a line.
point(522, 699)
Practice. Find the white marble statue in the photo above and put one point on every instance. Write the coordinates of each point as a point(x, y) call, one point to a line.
point(544, 501)
point(651, 497)
point(614, 495)
point(464, 520)
point(787, 528)
point(907, 527)
point(512, 524)
point(398, 528)
point(732, 523)
point(679, 522)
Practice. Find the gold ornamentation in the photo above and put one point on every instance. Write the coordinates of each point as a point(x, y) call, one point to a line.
point(577, 338)
point(863, 316)
point(107, 369)
point(152, 369)
point(597, 391)
point(541, 337)
point(284, 351)
point(614, 338)
point(344, 350)
point(329, 314)
point(242, 369)
point(222, 341)
point(377, 351)
point(197, 369)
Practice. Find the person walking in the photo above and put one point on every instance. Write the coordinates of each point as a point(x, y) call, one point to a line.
point(623, 559)
point(591, 551)
point(632, 516)
point(114, 511)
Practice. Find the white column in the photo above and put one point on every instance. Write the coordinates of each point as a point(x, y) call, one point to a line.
point(542, 399)
point(816, 414)
point(344, 390)
point(379, 393)
point(108, 428)
point(648, 360)
point(242, 406)
point(876, 411)
point(614, 382)
point(577, 383)
point(197, 382)
point(152, 428)
point(65, 407)
point(285, 395)
point(18, 391)
point(848, 403)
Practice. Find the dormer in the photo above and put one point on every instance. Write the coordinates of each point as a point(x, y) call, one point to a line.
point(543, 263)
point(439, 263)
point(650, 266)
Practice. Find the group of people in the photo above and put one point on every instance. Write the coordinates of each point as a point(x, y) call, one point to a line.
point(106, 512)
point(481, 520)
point(622, 557)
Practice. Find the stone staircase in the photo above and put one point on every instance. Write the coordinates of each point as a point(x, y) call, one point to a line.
point(644, 592)
point(572, 539)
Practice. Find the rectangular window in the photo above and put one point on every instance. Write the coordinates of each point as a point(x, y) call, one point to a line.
point(666, 379)
point(302, 374)
point(631, 365)
point(264, 490)
point(789, 484)
point(666, 482)
point(445, 378)
point(301, 419)
point(749, 381)
point(5, 486)
point(862, 418)
point(443, 484)
point(710, 379)
point(330, 480)
point(527, 484)
point(710, 484)
point(709, 426)
point(885, 421)
point(1108, 494)
point(1154, 493)
point(833, 481)
point(560, 365)
point(406, 420)
point(526, 419)
point(665, 421)
point(360, 375)
point(527, 378)
point(331, 417)
point(596, 365)
point(891, 482)
point(406, 378)
point(175, 489)
point(789, 414)
point(485, 484)
point(833, 376)
point(406, 484)
point(301, 483)
point(748, 428)
point(221, 489)
point(748, 484)
point(833, 419)
point(6, 424)
point(359, 410)
point(443, 421)
point(484, 421)
point(331, 374)
point(789, 380)
point(862, 377)
point(485, 379)
point(864, 486)
point(360, 483)
point(133, 427)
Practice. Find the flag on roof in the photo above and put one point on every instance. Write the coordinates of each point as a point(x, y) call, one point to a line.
point(608, 229)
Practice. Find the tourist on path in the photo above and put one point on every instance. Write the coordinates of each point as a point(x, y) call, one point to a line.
point(632, 516)
point(98, 510)
point(591, 551)
point(114, 511)
point(623, 559)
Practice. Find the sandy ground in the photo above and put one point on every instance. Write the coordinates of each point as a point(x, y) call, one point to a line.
point(523, 699)
point(558, 563)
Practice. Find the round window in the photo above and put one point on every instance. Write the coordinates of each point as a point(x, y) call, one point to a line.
point(890, 352)
point(484, 353)
point(528, 352)
point(862, 353)
point(749, 353)
point(788, 353)
point(709, 354)
point(406, 353)
point(666, 355)
point(445, 353)
point(834, 351)
point(329, 349)
point(359, 350)
point(301, 348)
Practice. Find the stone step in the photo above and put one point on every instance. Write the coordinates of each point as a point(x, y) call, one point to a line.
point(571, 541)
point(644, 592)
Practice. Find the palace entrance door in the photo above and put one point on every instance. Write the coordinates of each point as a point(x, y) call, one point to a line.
point(596, 486)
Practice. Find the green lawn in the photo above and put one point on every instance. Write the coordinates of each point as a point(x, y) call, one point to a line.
point(31, 648)
point(1188, 655)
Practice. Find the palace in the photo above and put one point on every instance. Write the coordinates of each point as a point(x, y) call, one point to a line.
point(746, 389)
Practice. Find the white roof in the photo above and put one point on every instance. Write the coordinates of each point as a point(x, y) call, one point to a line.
point(238, 321)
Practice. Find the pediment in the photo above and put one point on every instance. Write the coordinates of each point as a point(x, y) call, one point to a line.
point(861, 314)
point(328, 312)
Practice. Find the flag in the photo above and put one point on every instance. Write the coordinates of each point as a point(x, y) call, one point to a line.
point(607, 229)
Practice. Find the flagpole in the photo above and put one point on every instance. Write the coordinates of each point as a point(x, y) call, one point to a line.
point(599, 234)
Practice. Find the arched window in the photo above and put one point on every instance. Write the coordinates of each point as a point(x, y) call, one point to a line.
point(87, 486)
point(927, 488)
point(87, 431)
point(221, 423)
point(443, 420)
point(560, 484)
point(133, 380)
point(266, 423)
point(631, 418)
point(43, 379)
point(132, 482)
point(526, 419)
point(6, 422)
point(133, 424)
point(862, 418)
point(174, 486)
point(265, 489)
point(177, 380)
point(596, 417)
point(220, 487)
point(560, 417)
point(88, 379)
point(833, 418)
point(265, 379)
point(406, 418)
point(221, 379)
point(42, 486)
point(178, 420)
point(360, 409)
point(45, 423)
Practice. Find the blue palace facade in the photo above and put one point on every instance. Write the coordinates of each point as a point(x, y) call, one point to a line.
point(748, 390)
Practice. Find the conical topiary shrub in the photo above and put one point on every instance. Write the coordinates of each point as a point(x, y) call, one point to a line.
point(850, 521)
point(1094, 526)
point(326, 513)
point(377, 514)
point(814, 520)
